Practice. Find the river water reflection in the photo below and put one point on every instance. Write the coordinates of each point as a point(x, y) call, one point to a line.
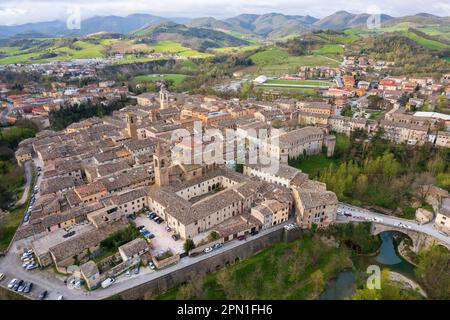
point(344, 285)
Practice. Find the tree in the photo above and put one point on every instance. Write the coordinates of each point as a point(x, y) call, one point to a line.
point(433, 269)
point(361, 184)
point(347, 111)
point(317, 281)
point(213, 236)
point(188, 245)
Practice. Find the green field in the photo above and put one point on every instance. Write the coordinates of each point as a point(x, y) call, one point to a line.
point(78, 50)
point(333, 49)
point(276, 62)
point(176, 78)
point(303, 82)
point(402, 28)
point(84, 49)
point(427, 43)
point(236, 49)
point(179, 49)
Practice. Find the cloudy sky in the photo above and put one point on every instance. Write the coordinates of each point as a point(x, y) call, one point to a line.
point(23, 11)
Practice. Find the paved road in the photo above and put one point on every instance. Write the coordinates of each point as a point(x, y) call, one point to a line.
point(46, 280)
point(390, 221)
point(10, 264)
point(28, 177)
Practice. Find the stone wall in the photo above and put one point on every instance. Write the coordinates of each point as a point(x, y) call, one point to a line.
point(248, 248)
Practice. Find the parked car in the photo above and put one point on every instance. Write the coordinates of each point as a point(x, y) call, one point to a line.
point(22, 287)
point(175, 237)
point(254, 232)
point(159, 221)
point(106, 283)
point(43, 295)
point(69, 234)
point(243, 237)
point(32, 266)
point(12, 283)
point(60, 297)
point(155, 218)
point(347, 214)
point(140, 227)
point(25, 256)
point(443, 233)
point(136, 271)
point(168, 228)
point(152, 265)
point(28, 287)
point(151, 215)
point(17, 285)
point(217, 246)
point(2, 276)
point(208, 250)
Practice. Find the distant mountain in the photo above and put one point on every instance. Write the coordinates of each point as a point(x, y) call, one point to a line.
point(419, 19)
point(270, 25)
point(342, 19)
point(209, 23)
point(91, 25)
point(192, 37)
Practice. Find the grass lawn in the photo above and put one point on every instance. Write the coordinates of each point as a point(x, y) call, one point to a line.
point(303, 82)
point(10, 222)
point(176, 78)
point(9, 225)
point(6, 294)
point(314, 164)
point(305, 91)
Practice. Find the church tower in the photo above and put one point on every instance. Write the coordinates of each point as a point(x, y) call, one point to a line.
point(161, 166)
point(131, 125)
point(163, 97)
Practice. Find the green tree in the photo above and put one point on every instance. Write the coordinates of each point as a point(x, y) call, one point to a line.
point(188, 245)
point(433, 269)
point(213, 236)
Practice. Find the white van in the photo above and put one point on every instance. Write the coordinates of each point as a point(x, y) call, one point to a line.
point(106, 283)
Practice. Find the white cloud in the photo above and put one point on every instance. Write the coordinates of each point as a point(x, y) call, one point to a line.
point(22, 11)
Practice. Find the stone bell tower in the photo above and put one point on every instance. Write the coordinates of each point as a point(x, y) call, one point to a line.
point(131, 125)
point(163, 97)
point(161, 166)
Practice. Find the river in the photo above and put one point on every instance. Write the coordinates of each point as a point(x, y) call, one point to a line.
point(344, 285)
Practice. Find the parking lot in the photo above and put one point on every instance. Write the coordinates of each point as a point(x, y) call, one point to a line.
point(163, 239)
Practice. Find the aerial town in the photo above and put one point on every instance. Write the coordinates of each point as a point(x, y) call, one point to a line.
point(109, 209)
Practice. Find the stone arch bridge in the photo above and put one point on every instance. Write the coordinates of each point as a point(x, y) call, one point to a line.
point(419, 239)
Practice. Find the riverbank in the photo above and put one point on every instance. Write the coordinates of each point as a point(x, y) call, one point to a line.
point(404, 251)
point(398, 277)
